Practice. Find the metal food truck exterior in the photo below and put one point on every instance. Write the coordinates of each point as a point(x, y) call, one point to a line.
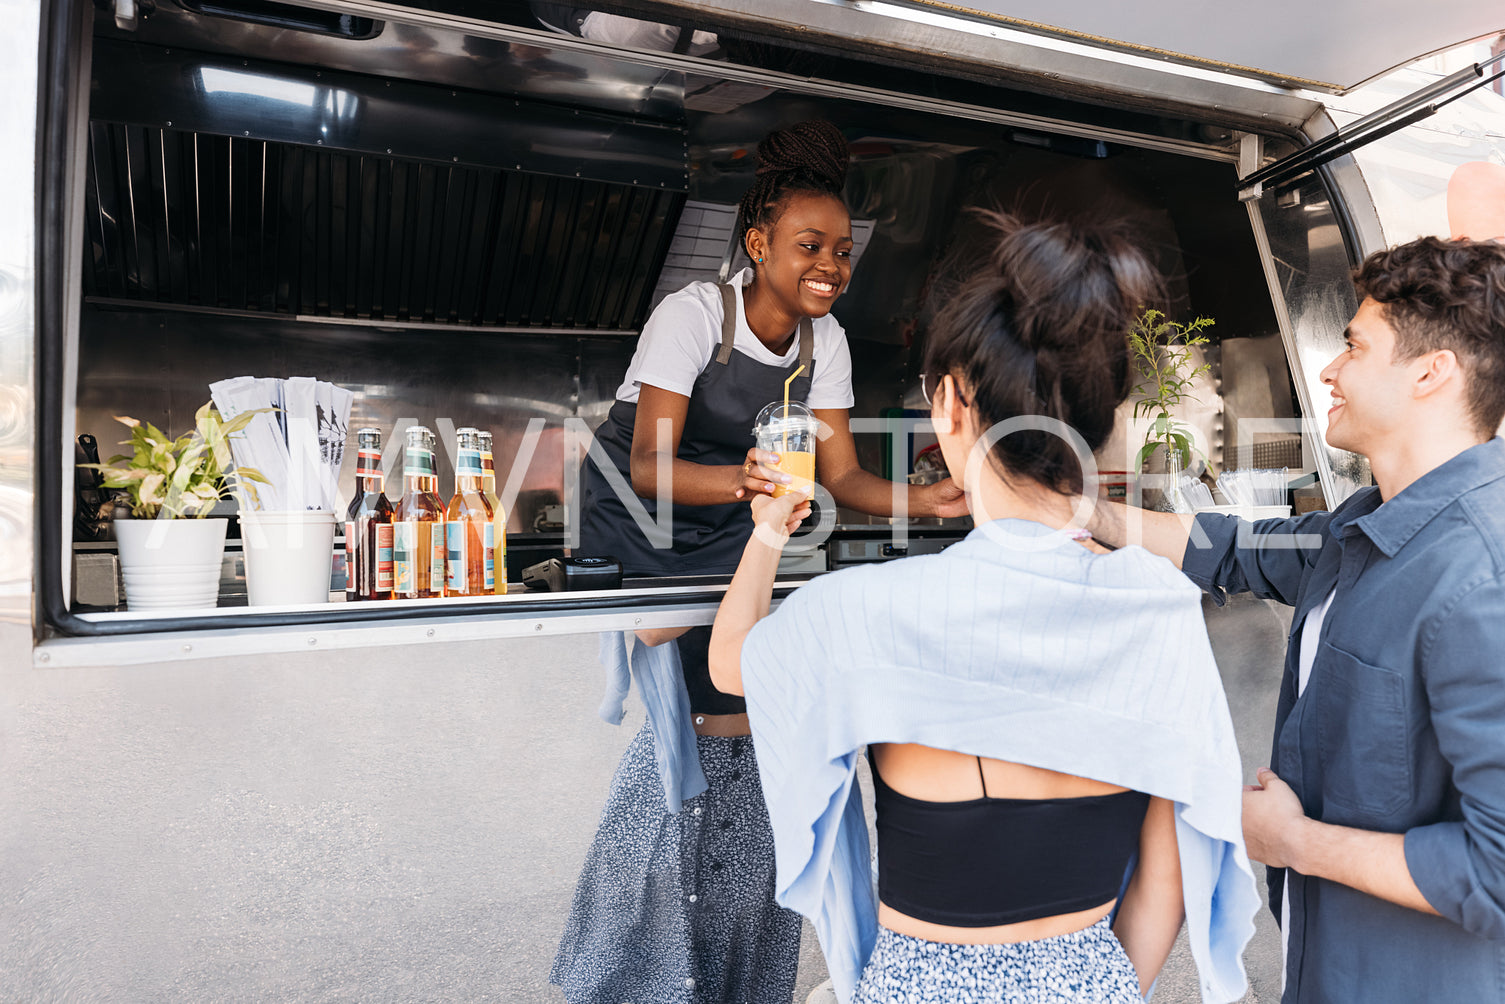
point(462, 212)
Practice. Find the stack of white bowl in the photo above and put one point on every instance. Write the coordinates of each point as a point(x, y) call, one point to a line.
point(177, 586)
point(171, 567)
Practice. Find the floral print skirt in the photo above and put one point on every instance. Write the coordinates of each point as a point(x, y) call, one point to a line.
point(678, 908)
point(1084, 967)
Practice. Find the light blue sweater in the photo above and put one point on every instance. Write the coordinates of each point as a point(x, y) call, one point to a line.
point(661, 685)
point(1018, 644)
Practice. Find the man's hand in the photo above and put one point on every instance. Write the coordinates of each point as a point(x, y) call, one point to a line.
point(1162, 533)
point(1273, 821)
point(1279, 833)
point(945, 499)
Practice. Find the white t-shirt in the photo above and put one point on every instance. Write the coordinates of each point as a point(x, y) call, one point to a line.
point(1311, 633)
point(681, 336)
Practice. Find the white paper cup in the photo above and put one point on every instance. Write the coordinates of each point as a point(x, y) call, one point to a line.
point(288, 556)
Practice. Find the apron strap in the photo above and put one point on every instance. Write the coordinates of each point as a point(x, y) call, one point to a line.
point(729, 332)
point(728, 323)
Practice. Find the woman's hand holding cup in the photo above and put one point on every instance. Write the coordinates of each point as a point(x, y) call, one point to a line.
point(774, 519)
point(758, 479)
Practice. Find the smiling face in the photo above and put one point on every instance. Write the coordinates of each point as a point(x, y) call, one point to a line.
point(1372, 394)
point(806, 255)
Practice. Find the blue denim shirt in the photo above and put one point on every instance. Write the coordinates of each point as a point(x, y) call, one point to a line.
point(1401, 728)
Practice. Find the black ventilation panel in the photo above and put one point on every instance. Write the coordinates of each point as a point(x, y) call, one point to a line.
point(222, 222)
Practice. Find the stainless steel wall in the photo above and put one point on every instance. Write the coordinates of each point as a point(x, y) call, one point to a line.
point(156, 365)
point(18, 79)
point(1307, 264)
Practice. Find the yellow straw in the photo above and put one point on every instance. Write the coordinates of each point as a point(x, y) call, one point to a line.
point(786, 404)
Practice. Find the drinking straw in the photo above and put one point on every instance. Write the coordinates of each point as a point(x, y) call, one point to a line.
point(796, 373)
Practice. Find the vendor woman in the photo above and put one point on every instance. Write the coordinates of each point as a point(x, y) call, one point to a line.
point(678, 906)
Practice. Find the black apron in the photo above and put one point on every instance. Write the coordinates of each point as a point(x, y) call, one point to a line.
point(707, 540)
point(718, 430)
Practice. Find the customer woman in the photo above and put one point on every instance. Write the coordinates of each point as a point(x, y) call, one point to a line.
point(675, 902)
point(1041, 714)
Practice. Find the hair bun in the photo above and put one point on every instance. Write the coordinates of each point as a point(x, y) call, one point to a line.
point(816, 146)
point(1070, 283)
point(1040, 329)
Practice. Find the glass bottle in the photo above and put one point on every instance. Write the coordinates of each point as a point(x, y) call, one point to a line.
point(368, 526)
point(498, 516)
point(418, 523)
point(430, 444)
point(471, 563)
point(437, 530)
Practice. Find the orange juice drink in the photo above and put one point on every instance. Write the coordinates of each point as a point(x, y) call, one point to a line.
point(801, 470)
point(790, 430)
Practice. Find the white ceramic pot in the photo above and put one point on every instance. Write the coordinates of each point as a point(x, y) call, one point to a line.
point(170, 563)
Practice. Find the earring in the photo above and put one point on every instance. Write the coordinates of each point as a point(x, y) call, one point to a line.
point(760, 261)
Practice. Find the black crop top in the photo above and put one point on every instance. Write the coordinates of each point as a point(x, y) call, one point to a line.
point(990, 861)
point(694, 657)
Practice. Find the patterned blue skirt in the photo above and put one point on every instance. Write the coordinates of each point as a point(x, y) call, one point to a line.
point(1084, 967)
point(678, 908)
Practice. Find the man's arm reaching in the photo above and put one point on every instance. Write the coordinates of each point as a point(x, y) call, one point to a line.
point(1162, 533)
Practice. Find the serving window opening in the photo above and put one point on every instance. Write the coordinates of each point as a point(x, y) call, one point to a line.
point(463, 230)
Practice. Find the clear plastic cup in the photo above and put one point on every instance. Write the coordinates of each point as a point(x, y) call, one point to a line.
point(790, 431)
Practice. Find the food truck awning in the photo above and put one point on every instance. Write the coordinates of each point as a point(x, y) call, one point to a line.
point(1333, 46)
point(1264, 67)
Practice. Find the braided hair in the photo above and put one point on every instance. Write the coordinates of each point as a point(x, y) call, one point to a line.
point(809, 157)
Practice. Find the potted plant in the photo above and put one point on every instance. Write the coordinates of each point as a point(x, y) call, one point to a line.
point(1163, 352)
point(170, 554)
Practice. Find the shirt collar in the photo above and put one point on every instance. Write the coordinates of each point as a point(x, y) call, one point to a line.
point(1392, 525)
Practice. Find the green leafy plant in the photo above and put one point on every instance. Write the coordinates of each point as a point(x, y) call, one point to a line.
point(174, 478)
point(1162, 351)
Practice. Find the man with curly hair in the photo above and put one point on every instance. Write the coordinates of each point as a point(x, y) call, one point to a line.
point(1383, 819)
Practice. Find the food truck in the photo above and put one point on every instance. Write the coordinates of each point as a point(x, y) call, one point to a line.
point(461, 212)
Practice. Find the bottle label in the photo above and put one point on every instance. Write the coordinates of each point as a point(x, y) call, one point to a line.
point(437, 552)
point(488, 548)
point(384, 537)
point(368, 464)
point(488, 463)
point(351, 550)
point(417, 463)
point(468, 464)
point(457, 578)
point(404, 558)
